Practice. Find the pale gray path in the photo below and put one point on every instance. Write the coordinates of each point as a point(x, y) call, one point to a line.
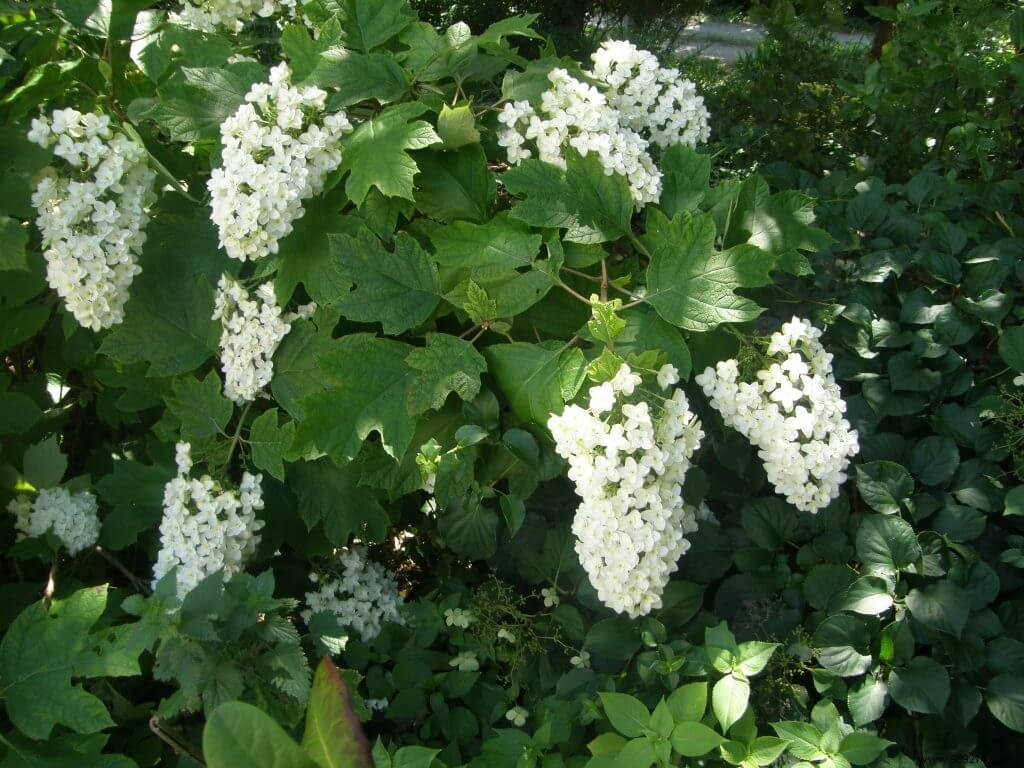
point(727, 41)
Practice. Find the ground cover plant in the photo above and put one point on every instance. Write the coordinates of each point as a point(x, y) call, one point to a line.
point(383, 394)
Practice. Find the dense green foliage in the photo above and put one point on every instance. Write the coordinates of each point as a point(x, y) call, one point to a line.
point(461, 303)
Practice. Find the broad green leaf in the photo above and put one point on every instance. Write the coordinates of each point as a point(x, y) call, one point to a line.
point(269, 442)
point(37, 657)
point(332, 495)
point(457, 126)
point(783, 226)
point(862, 748)
point(13, 240)
point(942, 606)
point(135, 493)
point(200, 406)
point(356, 77)
point(469, 528)
point(1004, 696)
point(367, 24)
point(868, 595)
point(517, 26)
point(454, 186)
point(368, 390)
point(155, 45)
point(239, 734)
point(825, 583)
point(768, 522)
point(18, 413)
point(867, 702)
point(69, 750)
point(537, 379)
point(691, 284)
point(685, 178)
point(934, 459)
point(446, 364)
point(843, 645)
point(1011, 347)
point(729, 698)
point(645, 331)
point(297, 371)
point(754, 655)
point(626, 713)
point(884, 485)
point(691, 739)
point(43, 464)
point(689, 702)
point(376, 153)
point(765, 750)
point(922, 686)
point(887, 544)
point(500, 242)
point(397, 288)
point(333, 737)
point(804, 739)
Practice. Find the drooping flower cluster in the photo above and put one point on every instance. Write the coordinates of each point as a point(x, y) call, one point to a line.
point(92, 213)
point(652, 100)
point(251, 331)
point(628, 464)
point(206, 528)
point(276, 152)
point(362, 596)
point(71, 516)
point(793, 413)
point(638, 103)
point(232, 15)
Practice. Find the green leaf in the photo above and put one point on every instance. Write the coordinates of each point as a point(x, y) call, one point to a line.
point(454, 186)
point(887, 544)
point(1011, 347)
point(1004, 696)
point(867, 701)
point(414, 757)
point(368, 390)
point(942, 606)
point(269, 442)
point(783, 226)
point(135, 493)
point(376, 152)
point(240, 734)
point(457, 126)
point(37, 657)
point(200, 406)
point(691, 739)
point(469, 528)
point(804, 739)
point(729, 699)
point(297, 372)
point(754, 655)
point(537, 379)
point(921, 686)
point(645, 331)
point(333, 737)
point(13, 239)
point(862, 748)
point(356, 77)
point(884, 485)
point(626, 713)
point(868, 595)
point(332, 495)
point(367, 24)
point(843, 645)
point(18, 413)
point(691, 284)
point(934, 459)
point(43, 464)
point(398, 289)
point(446, 364)
point(685, 178)
point(689, 702)
point(768, 522)
point(500, 242)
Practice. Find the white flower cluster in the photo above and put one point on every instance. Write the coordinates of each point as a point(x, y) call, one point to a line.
point(251, 330)
point(628, 466)
point(232, 15)
point(638, 103)
point(275, 155)
point(71, 517)
point(652, 100)
point(793, 413)
point(93, 215)
point(362, 598)
point(517, 716)
point(206, 529)
point(466, 661)
point(459, 618)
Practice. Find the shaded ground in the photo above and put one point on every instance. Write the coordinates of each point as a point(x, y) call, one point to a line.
point(727, 41)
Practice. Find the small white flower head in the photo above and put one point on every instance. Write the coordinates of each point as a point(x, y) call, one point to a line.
point(550, 595)
point(376, 705)
point(466, 661)
point(362, 595)
point(581, 660)
point(277, 150)
point(793, 413)
point(1018, 380)
point(517, 716)
point(206, 528)
point(229, 15)
point(92, 213)
point(628, 458)
point(668, 376)
point(72, 518)
point(251, 331)
point(457, 617)
point(507, 636)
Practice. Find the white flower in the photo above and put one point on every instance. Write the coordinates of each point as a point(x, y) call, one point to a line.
point(456, 617)
point(793, 413)
point(628, 466)
point(376, 705)
point(667, 376)
point(71, 517)
point(504, 634)
point(232, 15)
point(1018, 380)
point(251, 330)
point(275, 154)
point(581, 660)
point(517, 716)
point(92, 213)
point(550, 595)
point(362, 596)
point(206, 529)
point(465, 662)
